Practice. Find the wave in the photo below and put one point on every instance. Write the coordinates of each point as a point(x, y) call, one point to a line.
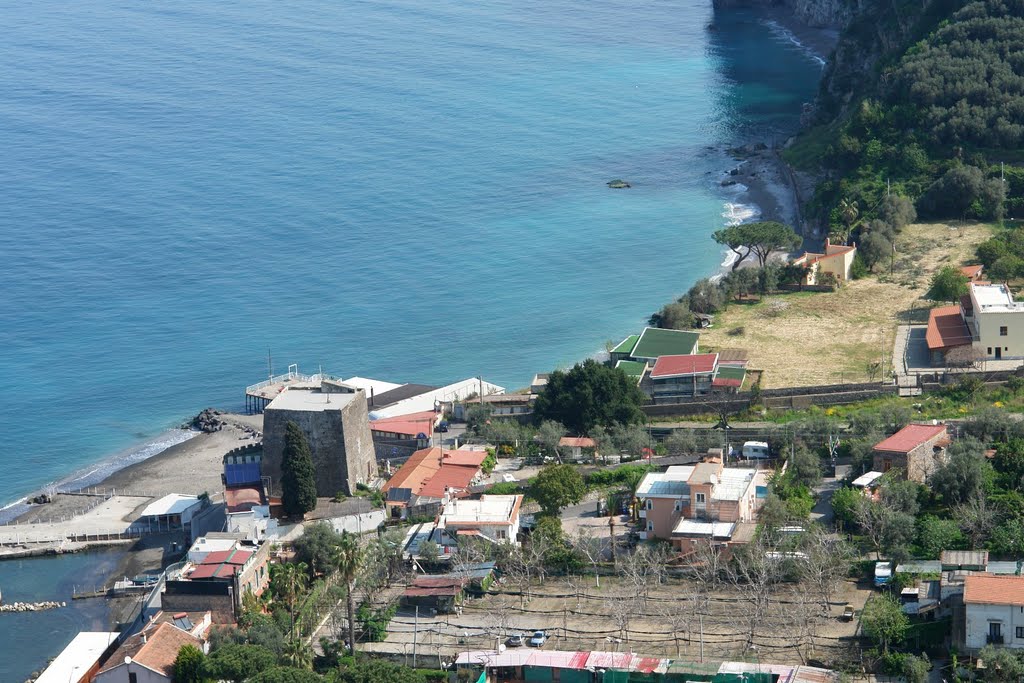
point(786, 34)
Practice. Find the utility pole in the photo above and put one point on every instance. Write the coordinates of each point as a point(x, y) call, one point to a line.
point(701, 638)
point(415, 632)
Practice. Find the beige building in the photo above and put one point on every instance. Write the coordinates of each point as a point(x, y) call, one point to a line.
point(703, 501)
point(995, 321)
point(837, 260)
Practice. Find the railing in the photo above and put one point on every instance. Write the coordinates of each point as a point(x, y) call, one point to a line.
point(993, 639)
point(287, 377)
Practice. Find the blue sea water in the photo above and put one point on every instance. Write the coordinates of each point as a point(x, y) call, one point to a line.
point(398, 189)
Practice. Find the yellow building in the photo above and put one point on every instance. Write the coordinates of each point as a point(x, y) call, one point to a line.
point(837, 260)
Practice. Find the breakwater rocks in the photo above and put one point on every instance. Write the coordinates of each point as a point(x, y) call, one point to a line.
point(32, 606)
point(208, 421)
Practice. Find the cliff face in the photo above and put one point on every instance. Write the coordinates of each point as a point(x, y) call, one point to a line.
point(832, 14)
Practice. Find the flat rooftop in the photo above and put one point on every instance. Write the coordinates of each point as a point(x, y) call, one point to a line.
point(78, 657)
point(994, 299)
point(732, 483)
point(310, 400)
point(493, 509)
point(171, 504)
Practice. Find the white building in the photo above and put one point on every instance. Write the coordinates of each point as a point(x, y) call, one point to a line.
point(994, 607)
point(995, 320)
point(80, 659)
point(430, 399)
point(172, 511)
point(493, 518)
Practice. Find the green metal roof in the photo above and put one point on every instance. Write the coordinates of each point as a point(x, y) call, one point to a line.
point(731, 372)
point(633, 368)
point(626, 345)
point(655, 342)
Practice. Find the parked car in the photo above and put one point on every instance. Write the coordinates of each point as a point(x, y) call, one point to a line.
point(516, 641)
point(849, 613)
point(442, 427)
point(538, 639)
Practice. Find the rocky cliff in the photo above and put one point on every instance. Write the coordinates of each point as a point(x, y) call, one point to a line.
point(832, 14)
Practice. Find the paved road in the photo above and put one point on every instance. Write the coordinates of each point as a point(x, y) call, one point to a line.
point(822, 511)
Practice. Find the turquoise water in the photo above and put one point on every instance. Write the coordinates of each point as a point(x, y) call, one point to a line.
point(392, 189)
point(388, 189)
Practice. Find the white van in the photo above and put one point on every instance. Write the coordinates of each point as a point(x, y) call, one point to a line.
point(756, 450)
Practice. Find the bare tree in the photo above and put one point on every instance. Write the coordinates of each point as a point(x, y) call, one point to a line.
point(622, 610)
point(752, 573)
point(976, 518)
point(825, 563)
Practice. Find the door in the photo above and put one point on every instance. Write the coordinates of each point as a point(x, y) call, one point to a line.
point(999, 352)
point(995, 632)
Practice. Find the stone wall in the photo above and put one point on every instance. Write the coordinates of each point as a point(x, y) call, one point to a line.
point(339, 441)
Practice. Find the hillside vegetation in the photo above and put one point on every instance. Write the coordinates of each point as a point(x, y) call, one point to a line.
point(924, 101)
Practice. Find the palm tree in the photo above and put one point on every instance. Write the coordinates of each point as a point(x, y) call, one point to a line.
point(287, 581)
point(632, 481)
point(347, 560)
point(849, 211)
point(298, 653)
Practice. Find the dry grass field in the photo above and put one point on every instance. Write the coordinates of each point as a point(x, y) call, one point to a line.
point(807, 338)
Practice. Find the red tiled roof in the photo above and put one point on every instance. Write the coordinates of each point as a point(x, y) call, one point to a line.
point(673, 366)
point(154, 649)
point(242, 498)
point(971, 272)
point(221, 564)
point(427, 474)
point(946, 328)
point(577, 442)
point(986, 589)
point(910, 437)
point(411, 424)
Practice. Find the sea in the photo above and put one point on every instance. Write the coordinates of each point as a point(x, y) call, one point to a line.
point(196, 193)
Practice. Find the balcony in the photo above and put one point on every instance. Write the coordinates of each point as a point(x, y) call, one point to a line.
point(994, 639)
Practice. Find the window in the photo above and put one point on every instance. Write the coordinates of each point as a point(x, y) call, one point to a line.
point(650, 526)
point(990, 350)
point(1003, 331)
point(679, 505)
point(133, 677)
point(1020, 632)
point(650, 504)
point(501, 533)
point(700, 498)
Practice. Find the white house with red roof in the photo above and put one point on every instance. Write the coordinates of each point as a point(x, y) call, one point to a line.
point(994, 611)
point(917, 450)
point(836, 261)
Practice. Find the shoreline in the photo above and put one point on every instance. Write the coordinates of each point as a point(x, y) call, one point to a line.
point(190, 467)
point(767, 189)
